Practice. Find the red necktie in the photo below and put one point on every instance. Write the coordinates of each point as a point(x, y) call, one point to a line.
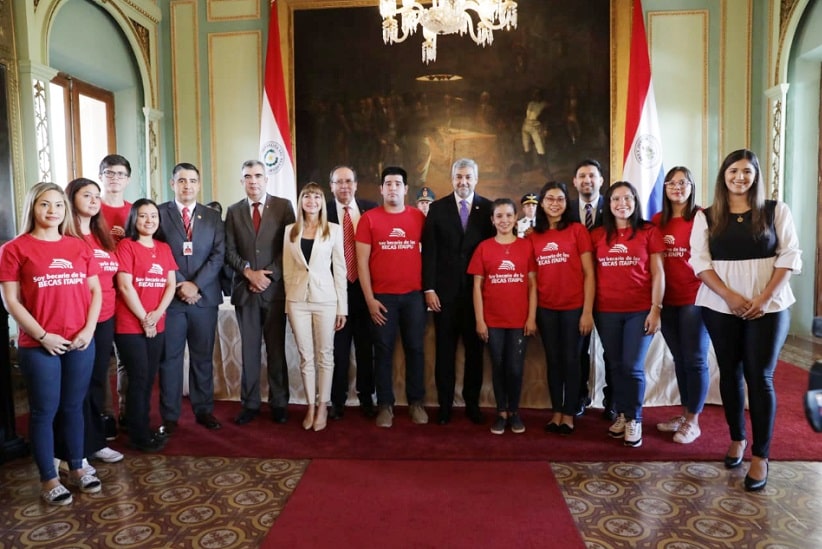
point(348, 246)
point(255, 217)
point(187, 223)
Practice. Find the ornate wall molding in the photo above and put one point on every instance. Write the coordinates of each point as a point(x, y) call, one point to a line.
point(776, 138)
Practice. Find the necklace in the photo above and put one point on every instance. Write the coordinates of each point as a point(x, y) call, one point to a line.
point(739, 219)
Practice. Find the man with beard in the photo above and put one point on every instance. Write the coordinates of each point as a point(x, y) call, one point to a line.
point(588, 211)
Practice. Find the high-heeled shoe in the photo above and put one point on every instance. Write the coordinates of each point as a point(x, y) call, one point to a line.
point(755, 485)
point(308, 421)
point(321, 419)
point(732, 462)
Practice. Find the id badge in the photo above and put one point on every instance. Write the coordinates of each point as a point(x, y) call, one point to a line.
point(188, 248)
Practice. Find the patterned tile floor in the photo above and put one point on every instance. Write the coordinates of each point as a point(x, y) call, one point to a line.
point(152, 501)
point(692, 505)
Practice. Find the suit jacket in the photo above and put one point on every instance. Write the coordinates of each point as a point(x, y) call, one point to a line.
point(331, 208)
point(573, 210)
point(321, 279)
point(447, 249)
point(203, 266)
point(263, 250)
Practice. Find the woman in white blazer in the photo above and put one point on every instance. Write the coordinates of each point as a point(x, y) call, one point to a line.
point(316, 297)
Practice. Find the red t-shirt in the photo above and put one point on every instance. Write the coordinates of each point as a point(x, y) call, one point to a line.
point(395, 262)
point(681, 284)
point(623, 269)
point(149, 268)
point(560, 280)
point(116, 217)
point(504, 268)
point(107, 263)
point(53, 282)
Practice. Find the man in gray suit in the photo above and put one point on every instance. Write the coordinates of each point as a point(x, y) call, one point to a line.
point(196, 236)
point(255, 227)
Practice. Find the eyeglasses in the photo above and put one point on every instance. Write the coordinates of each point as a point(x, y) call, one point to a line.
point(628, 198)
point(554, 199)
point(115, 175)
point(677, 183)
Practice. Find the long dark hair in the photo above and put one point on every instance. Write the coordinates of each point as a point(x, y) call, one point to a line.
point(720, 210)
point(97, 224)
point(608, 219)
point(542, 224)
point(131, 222)
point(690, 208)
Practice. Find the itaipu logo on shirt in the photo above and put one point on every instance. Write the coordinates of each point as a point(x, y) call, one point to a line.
point(623, 259)
point(60, 279)
point(397, 241)
point(59, 263)
point(505, 274)
point(618, 249)
point(156, 269)
point(550, 254)
point(672, 250)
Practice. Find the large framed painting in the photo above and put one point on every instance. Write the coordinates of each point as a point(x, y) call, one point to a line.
point(526, 108)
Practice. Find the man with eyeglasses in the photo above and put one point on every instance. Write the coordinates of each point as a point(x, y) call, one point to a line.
point(115, 175)
point(588, 211)
point(343, 181)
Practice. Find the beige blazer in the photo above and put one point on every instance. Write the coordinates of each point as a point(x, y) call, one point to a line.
point(323, 278)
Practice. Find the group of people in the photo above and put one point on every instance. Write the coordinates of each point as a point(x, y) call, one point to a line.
point(91, 272)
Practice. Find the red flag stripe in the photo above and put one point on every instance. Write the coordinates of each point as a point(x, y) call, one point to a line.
point(639, 78)
point(274, 83)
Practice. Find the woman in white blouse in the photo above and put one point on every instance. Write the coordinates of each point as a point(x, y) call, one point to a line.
point(316, 297)
point(744, 249)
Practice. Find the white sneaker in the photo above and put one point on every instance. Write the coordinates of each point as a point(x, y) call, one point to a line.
point(108, 455)
point(687, 433)
point(62, 466)
point(617, 430)
point(672, 425)
point(633, 434)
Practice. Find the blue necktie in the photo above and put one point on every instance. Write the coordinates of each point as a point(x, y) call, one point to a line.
point(464, 213)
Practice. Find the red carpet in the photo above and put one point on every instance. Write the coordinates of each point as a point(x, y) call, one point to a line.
point(360, 503)
point(355, 437)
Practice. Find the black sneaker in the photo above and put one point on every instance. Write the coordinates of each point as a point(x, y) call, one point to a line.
point(109, 426)
point(516, 423)
point(499, 425)
point(151, 445)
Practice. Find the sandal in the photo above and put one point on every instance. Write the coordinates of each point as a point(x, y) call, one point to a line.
point(58, 495)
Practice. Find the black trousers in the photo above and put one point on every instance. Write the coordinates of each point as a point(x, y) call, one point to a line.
point(357, 329)
point(456, 321)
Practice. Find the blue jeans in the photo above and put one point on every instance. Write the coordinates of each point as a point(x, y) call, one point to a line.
point(406, 313)
point(562, 341)
point(507, 349)
point(687, 338)
point(746, 352)
point(626, 344)
point(56, 383)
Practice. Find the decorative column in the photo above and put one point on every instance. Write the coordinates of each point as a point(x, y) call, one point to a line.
point(153, 176)
point(40, 76)
point(775, 168)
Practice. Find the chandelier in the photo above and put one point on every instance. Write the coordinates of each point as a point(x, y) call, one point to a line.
point(446, 17)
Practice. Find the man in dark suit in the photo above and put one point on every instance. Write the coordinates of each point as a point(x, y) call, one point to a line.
point(587, 209)
point(196, 236)
point(343, 181)
point(255, 227)
point(455, 225)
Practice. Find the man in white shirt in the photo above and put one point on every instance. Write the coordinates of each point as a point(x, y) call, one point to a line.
point(529, 215)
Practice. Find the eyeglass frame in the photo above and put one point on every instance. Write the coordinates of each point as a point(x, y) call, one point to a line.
point(678, 183)
point(110, 174)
